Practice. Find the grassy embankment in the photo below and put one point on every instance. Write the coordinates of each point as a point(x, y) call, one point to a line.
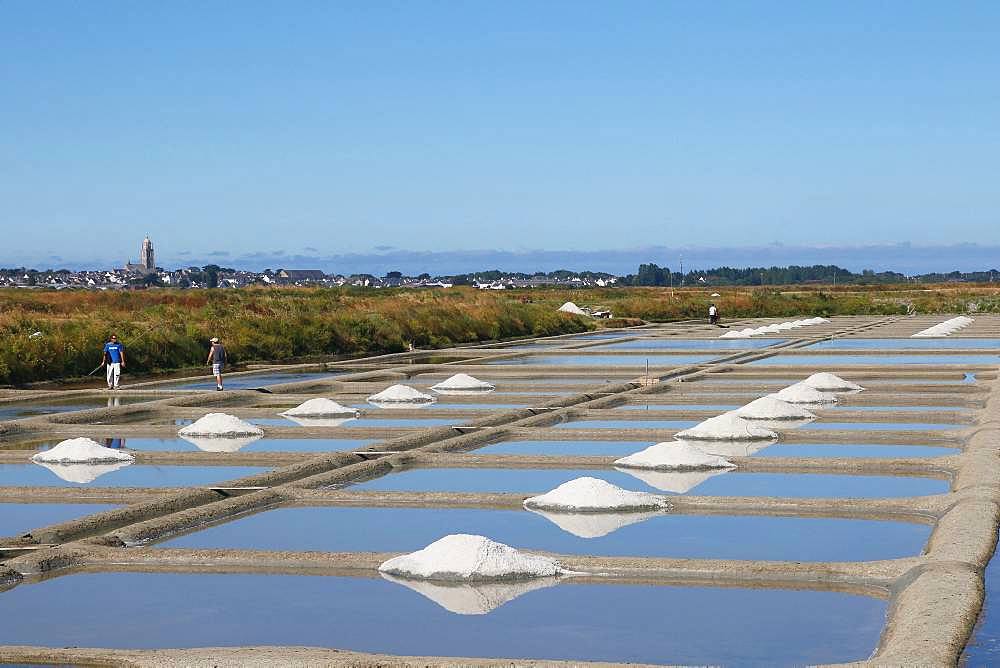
point(169, 329)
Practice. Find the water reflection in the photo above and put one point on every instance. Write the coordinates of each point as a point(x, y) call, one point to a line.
point(473, 598)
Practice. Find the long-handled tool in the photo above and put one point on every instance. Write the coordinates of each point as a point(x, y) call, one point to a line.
point(96, 370)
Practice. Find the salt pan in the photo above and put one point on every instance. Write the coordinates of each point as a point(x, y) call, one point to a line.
point(800, 393)
point(463, 557)
point(220, 424)
point(400, 394)
point(462, 381)
point(675, 456)
point(320, 407)
point(82, 451)
point(828, 382)
point(771, 408)
point(727, 426)
point(594, 495)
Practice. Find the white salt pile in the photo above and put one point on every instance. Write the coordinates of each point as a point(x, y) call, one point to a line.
point(727, 427)
point(473, 598)
point(799, 393)
point(594, 525)
point(320, 407)
point(466, 557)
point(673, 456)
point(83, 473)
point(771, 408)
point(945, 328)
point(570, 307)
point(677, 482)
point(220, 443)
point(220, 424)
point(828, 382)
point(462, 382)
point(772, 329)
point(82, 451)
point(400, 394)
point(594, 495)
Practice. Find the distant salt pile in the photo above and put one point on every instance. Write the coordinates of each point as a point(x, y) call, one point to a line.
point(800, 393)
point(570, 307)
point(221, 443)
point(473, 598)
point(945, 328)
point(220, 425)
point(676, 482)
point(82, 451)
point(462, 382)
point(319, 408)
point(463, 557)
point(727, 427)
point(594, 495)
point(772, 408)
point(673, 456)
point(594, 525)
point(772, 329)
point(828, 382)
point(400, 394)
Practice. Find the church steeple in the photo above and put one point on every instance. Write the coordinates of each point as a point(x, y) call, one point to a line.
point(146, 258)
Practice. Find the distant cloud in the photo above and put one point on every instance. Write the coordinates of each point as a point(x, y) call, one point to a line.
point(385, 248)
point(184, 253)
point(219, 254)
point(311, 249)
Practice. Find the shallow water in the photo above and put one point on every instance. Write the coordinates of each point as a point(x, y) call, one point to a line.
point(133, 475)
point(690, 344)
point(441, 405)
point(826, 407)
point(838, 361)
point(19, 518)
point(252, 381)
point(886, 426)
point(660, 535)
point(709, 483)
point(564, 448)
point(29, 408)
point(984, 646)
point(952, 343)
point(707, 625)
point(658, 361)
point(627, 424)
point(859, 450)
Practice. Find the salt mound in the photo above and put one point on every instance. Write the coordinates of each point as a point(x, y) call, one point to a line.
point(221, 443)
point(945, 328)
point(727, 427)
point(674, 456)
point(473, 598)
point(322, 422)
point(320, 407)
point(82, 451)
point(570, 307)
point(462, 381)
point(466, 557)
point(828, 382)
point(220, 424)
point(770, 408)
point(678, 482)
point(594, 525)
point(400, 394)
point(592, 495)
point(800, 393)
point(83, 473)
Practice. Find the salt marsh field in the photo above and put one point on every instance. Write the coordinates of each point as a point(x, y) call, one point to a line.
point(860, 534)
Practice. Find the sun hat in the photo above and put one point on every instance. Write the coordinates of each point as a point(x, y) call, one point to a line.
point(214, 339)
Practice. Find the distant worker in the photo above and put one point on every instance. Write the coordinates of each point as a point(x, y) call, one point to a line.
point(217, 358)
point(113, 357)
point(713, 315)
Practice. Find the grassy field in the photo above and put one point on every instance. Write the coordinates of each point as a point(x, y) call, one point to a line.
point(169, 329)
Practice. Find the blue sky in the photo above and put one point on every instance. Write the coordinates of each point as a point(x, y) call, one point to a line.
point(325, 128)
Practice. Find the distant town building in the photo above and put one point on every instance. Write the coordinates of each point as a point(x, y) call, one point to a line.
point(300, 275)
point(147, 262)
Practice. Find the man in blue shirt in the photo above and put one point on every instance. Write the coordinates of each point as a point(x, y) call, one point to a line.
point(113, 357)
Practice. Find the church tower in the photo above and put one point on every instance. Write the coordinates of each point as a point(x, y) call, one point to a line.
point(146, 256)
